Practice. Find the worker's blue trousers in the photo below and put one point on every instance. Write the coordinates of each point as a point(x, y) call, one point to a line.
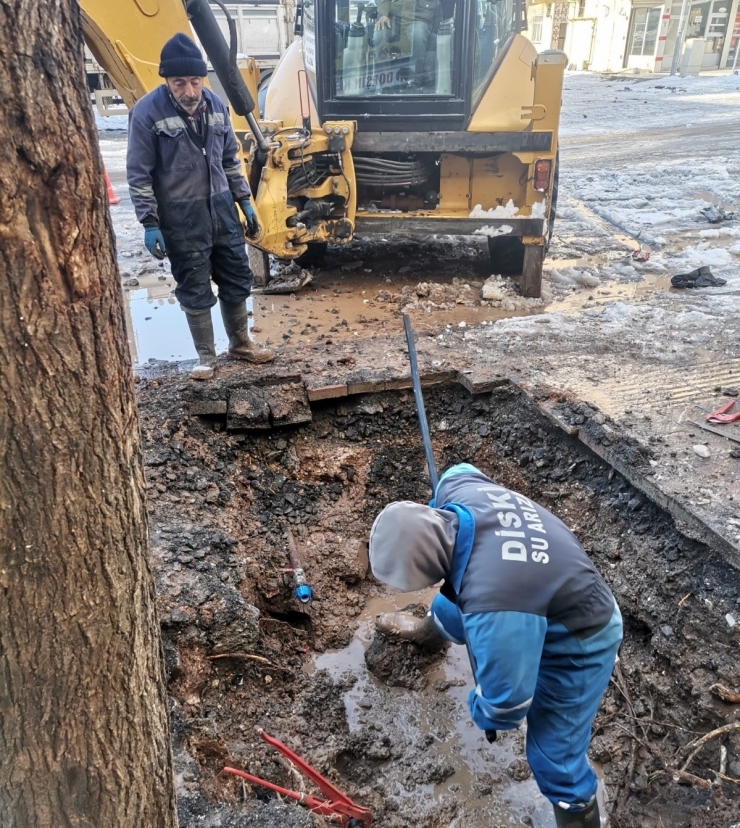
point(573, 677)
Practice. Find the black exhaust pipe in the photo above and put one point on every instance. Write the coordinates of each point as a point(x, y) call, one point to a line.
point(223, 58)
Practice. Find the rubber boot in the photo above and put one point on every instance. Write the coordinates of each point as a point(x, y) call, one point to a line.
point(589, 817)
point(201, 329)
point(402, 626)
point(240, 345)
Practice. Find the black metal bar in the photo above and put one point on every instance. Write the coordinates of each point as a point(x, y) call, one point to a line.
point(223, 59)
point(717, 431)
point(420, 410)
point(450, 141)
point(403, 224)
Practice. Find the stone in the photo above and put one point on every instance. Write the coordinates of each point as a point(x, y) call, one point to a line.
point(701, 450)
point(288, 404)
point(235, 627)
point(248, 409)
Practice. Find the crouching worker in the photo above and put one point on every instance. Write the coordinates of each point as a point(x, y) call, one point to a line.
point(541, 626)
point(185, 181)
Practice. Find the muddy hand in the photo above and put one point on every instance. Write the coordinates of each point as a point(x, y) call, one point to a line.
point(399, 625)
point(402, 626)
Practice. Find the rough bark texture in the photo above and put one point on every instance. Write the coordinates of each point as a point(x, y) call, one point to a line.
point(84, 735)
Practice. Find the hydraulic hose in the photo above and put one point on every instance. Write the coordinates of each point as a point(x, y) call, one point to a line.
point(223, 59)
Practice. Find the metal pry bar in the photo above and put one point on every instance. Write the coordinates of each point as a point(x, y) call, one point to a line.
point(420, 410)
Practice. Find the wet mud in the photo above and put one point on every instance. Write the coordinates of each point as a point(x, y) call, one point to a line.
point(385, 721)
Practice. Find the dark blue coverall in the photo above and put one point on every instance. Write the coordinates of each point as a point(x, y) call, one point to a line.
point(188, 185)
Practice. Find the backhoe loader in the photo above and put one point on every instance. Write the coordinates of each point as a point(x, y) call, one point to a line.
point(393, 117)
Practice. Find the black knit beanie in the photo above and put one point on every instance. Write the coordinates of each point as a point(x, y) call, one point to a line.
point(181, 58)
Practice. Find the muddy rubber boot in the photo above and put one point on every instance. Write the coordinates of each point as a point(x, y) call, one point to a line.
point(201, 329)
point(402, 626)
point(240, 345)
point(587, 818)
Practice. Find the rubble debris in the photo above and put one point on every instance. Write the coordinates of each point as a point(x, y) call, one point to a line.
point(701, 450)
point(716, 215)
point(285, 283)
point(697, 278)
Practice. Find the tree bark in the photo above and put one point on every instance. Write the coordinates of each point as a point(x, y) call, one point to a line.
point(84, 733)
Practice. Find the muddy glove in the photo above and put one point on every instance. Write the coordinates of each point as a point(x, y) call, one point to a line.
point(253, 226)
point(490, 736)
point(154, 242)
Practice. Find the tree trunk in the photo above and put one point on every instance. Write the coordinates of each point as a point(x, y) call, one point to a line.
point(84, 734)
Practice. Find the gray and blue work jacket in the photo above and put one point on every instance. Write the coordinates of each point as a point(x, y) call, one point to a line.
point(184, 182)
point(528, 596)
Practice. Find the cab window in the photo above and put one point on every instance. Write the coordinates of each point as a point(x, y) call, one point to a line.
point(496, 22)
point(394, 47)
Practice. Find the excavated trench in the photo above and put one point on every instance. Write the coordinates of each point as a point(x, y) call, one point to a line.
point(384, 721)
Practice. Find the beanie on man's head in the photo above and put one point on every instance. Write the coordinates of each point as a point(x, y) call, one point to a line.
point(181, 58)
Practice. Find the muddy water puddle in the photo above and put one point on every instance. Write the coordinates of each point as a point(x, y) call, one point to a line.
point(491, 783)
point(340, 307)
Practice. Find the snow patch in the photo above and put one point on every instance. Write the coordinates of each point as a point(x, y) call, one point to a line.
point(509, 211)
point(490, 231)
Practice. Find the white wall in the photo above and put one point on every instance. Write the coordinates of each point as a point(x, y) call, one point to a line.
point(596, 40)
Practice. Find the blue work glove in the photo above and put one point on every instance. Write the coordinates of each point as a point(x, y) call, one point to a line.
point(253, 226)
point(154, 242)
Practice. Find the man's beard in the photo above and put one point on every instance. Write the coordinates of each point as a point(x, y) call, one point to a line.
point(189, 103)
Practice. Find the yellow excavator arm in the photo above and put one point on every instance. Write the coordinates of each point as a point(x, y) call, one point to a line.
point(127, 42)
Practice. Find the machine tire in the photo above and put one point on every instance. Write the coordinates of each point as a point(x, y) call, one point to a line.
point(265, 78)
point(507, 255)
point(314, 255)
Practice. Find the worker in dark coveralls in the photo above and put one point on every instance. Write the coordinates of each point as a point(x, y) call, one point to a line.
point(541, 626)
point(185, 181)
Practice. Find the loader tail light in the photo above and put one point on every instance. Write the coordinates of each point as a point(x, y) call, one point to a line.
point(542, 174)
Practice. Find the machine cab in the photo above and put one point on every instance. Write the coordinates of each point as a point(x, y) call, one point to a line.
point(385, 62)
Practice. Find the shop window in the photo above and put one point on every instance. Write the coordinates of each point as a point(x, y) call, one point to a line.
point(645, 24)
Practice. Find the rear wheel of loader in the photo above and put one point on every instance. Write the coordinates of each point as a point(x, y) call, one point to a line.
point(507, 255)
point(314, 255)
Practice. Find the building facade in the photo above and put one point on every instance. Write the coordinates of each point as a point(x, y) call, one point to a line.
point(617, 35)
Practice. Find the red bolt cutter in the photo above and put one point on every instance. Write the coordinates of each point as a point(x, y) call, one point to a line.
point(337, 807)
point(721, 415)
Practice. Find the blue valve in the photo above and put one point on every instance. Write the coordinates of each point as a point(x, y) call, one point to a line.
point(302, 589)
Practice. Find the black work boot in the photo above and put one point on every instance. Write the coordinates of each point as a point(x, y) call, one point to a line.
point(403, 626)
point(201, 329)
point(589, 817)
point(241, 346)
